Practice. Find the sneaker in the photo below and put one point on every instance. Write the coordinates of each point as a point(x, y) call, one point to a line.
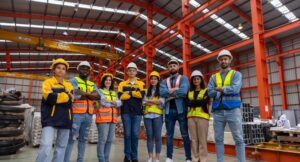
point(188, 161)
point(169, 160)
point(156, 160)
point(150, 160)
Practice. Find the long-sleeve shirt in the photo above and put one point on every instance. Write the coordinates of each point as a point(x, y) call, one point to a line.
point(104, 103)
point(234, 88)
point(162, 102)
point(179, 95)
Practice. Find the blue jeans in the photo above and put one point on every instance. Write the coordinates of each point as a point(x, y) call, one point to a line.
point(131, 126)
point(80, 129)
point(170, 125)
point(234, 119)
point(106, 133)
point(153, 131)
point(48, 133)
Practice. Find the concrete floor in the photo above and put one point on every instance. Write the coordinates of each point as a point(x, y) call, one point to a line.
point(28, 154)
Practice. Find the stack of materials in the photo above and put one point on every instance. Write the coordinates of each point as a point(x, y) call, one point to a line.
point(36, 129)
point(253, 132)
point(12, 125)
point(93, 133)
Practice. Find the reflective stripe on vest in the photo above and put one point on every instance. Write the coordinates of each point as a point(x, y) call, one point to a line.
point(153, 108)
point(83, 106)
point(177, 83)
point(228, 101)
point(107, 114)
point(197, 111)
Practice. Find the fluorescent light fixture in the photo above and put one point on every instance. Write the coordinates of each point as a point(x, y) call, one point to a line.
point(58, 28)
point(220, 21)
point(86, 6)
point(284, 10)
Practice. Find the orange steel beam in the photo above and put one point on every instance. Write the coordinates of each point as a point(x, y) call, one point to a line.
point(30, 90)
point(92, 75)
point(127, 51)
point(149, 49)
point(147, 6)
point(266, 34)
point(112, 71)
point(71, 20)
point(185, 18)
point(8, 59)
point(185, 30)
point(260, 59)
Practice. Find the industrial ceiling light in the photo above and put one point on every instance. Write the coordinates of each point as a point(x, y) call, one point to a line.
point(65, 33)
point(240, 27)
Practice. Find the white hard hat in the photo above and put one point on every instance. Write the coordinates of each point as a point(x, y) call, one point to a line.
point(173, 61)
point(84, 63)
point(224, 52)
point(131, 65)
point(196, 73)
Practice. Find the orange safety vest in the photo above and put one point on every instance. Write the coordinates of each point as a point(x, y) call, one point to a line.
point(107, 114)
point(84, 106)
point(177, 83)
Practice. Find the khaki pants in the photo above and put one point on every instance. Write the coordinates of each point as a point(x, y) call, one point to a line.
point(198, 129)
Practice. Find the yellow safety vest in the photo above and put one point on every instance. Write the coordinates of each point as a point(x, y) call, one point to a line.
point(197, 111)
point(153, 108)
point(228, 101)
point(83, 106)
point(107, 114)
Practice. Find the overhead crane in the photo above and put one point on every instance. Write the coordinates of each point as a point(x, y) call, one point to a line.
point(40, 42)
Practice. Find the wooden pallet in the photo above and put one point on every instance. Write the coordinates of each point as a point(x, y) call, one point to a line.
point(286, 135)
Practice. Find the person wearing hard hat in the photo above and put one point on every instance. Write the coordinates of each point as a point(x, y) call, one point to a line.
point(56, 116)
point(224, 87)
point(83, 109)
point(175, 89)
point(106, 116)
point(131, 93)
point(153, 117)
point(198, 116)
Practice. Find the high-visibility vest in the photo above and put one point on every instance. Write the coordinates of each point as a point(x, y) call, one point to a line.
point(177, 83)
point(153, 108)
point(84, 106)
point(107, 114)
point(197, 111)
point(227, 101)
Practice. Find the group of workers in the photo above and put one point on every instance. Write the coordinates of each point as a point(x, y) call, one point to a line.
point(68, 106)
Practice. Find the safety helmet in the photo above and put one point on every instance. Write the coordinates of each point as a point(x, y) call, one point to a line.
point(173, 61)
point(59, 61)
point(84, 63)
point(105, 75)
point(196, 73)
point(224, 52)
point(131, 65)
point(155, 73)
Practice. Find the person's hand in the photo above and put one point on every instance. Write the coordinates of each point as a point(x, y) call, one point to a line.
point(219, 89)
point(172, 90)
point(146, 100)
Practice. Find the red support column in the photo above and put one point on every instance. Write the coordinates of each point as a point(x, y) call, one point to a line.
point(100, 69)
point(8, 59)
point(149, 50)
point(111, 63)
point(127, 51)
point(185, 31)
point(281, 74)
point(92, 69)
point(260, 59)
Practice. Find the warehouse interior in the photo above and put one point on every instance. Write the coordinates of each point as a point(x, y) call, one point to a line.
point(262, 35)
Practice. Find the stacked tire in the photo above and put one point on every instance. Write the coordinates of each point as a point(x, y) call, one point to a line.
point(11, 124)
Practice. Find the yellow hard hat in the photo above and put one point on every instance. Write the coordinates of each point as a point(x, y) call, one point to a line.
point(59, 61)
point(155, 73)
point(106, 74)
